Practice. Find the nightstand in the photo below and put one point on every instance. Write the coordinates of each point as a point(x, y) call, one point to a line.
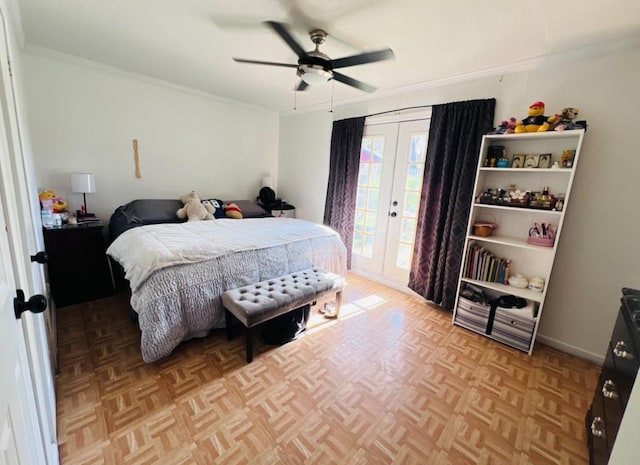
point(284, 210)
point(77, 266)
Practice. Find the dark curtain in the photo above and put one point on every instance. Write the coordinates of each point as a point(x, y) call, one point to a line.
point(342, 187)
point(454, 142)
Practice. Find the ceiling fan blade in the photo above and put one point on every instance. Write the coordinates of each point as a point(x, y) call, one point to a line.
point(302, 86)
point(282, 31)
point(270, 63)
point(352, 82)
point(363, 58)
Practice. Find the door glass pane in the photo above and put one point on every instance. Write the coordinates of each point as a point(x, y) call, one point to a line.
point(367, 249)
point(368, 196)
point(404, 256)
point(358, 224)
point(363, 174)
point(414, 176)
point(411, 204)
point(357, 243)
point(372, 202)
point(375, 179)
point(407, 230)
point(418, 150)
point(413, 186)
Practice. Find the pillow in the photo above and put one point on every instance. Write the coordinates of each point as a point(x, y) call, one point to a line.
point(233, 211)
point(218, 207)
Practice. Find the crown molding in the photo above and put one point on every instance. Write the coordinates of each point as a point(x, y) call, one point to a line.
point(591, 51)
point(101, 67)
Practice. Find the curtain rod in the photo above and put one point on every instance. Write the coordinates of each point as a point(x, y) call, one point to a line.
point(398, 110)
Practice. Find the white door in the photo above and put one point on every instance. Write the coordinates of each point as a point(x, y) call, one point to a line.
point(19, 425)
point(27, 399)
point(389, 185)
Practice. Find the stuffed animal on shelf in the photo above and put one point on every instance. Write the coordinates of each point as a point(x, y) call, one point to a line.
point(58, 203)
point(193, 208)
point(505, 127)
point(536, 121)
point(566, 120)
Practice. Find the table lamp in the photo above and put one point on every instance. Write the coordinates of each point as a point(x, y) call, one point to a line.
point(83, 183)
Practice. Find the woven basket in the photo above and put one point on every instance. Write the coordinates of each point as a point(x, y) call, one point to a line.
point(484, 228)
point(543, 241)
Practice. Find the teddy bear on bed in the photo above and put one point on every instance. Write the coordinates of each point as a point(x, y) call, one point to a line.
point(193, 208)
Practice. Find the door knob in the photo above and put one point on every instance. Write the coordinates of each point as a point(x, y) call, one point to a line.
point(394, 203)
point(393, 214)
point(40, 257)
point(37, 303)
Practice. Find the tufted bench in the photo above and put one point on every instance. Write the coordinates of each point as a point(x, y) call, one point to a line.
point(256, 303)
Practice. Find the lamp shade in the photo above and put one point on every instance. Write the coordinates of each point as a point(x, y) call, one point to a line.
point(83, 183)
point(267, 182)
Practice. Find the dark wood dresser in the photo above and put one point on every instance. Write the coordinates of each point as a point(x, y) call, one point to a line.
point(77, 269)
point(616, 379)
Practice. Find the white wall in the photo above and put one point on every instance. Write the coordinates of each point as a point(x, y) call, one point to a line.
point(83, 117)
point(599, 252)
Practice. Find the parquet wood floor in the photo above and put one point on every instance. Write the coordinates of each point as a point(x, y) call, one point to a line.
point(391, 382)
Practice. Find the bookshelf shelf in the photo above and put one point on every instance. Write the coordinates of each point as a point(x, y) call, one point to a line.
point(478, 301)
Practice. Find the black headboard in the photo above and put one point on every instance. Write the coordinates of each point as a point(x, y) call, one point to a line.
point(141, 212)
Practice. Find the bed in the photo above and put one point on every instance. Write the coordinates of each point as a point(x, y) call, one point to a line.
point(177, 271)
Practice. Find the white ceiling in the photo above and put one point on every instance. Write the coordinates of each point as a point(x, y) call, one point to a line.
point(192, 42)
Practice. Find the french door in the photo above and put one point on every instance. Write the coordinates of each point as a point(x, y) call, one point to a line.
point(392, 161)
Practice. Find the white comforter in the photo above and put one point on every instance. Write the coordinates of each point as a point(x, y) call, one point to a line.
point(177, 272)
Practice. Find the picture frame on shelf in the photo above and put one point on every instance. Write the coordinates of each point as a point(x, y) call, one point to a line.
point(532, 160)
point(518, 160)
point(544, 160)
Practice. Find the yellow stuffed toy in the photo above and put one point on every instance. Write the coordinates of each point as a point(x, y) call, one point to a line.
point(194, 209)
point(536, 121)
point(58, 203)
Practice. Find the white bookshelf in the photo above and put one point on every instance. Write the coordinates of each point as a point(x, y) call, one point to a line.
point(509, 239)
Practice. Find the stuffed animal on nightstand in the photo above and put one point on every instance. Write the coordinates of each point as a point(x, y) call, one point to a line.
point(193, 208)
point(536, 121)
point(58, 203)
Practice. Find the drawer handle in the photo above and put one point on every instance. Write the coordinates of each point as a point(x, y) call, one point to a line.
point(597, 427)
point(609, 390)
point(620, 351)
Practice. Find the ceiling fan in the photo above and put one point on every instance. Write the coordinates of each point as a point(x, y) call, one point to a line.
point(315, 67)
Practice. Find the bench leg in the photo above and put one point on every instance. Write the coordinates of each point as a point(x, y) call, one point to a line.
point(250, 345)
point(228, 318)
point(338, 303)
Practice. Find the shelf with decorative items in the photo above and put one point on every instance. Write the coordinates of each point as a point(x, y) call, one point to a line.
point(521, 193)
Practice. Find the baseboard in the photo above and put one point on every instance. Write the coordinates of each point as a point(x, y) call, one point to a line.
point(387, 282)
point(598, 359)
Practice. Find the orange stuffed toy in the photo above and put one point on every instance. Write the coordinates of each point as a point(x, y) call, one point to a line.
point(536, 121)
point(58, 203)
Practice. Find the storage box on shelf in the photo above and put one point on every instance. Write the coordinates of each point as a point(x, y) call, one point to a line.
point(528, 205)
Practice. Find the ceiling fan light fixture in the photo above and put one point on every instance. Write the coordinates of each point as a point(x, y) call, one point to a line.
point(314, 75)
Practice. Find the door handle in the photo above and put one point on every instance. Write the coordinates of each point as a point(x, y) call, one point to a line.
point(40, 257)
point(393, 214)
point(37, 303)
point(394, 203)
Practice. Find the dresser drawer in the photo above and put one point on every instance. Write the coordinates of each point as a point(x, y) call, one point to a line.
point(597, 432)
point(625, 353)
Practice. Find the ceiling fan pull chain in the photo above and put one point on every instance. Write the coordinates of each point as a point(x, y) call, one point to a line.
point(295, 92)
point(332, 85)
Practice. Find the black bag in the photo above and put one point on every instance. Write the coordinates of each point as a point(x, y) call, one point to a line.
point(267, 197)
point(286, 328)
